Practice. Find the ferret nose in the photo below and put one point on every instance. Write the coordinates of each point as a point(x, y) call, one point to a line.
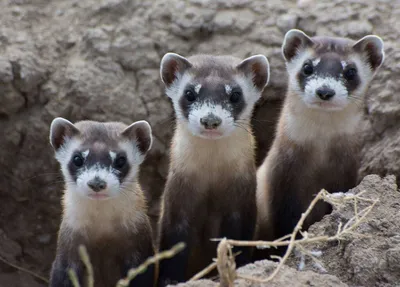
point(325, 93)
point(211, 122)
point(97, 184)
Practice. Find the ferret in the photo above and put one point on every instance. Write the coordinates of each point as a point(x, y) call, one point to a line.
point(317, 141)
point(104, 208)
point(211, 185)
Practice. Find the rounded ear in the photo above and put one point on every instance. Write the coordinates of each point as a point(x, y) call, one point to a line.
point(372, 47)
point(294, 41)
point(172, 65)
point(257, 69)
point(140, 133)
point(61, 130)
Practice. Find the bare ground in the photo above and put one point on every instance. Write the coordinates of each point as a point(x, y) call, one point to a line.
point(99, 60)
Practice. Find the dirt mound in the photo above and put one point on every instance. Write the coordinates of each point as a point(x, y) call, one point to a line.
point(287, 277)
point(373, 257)
point(99, 60)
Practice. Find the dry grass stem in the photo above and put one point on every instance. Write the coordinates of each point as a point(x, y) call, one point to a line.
point(226, 264)
point(88, 265)
point(132, 273)
point(204, 272)
point(343, 232)
point(74, 278)
point(208, 269)
point(83, 254)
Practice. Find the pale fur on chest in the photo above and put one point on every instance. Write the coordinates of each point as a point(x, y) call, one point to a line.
point(211, 159)
point(98, 218)
point(315, 130)
point(305, 126)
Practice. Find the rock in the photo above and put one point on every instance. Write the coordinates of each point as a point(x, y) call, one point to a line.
point(6, 74)
point(224, 19)
point(383, 156)
point(304, 3)
point(29, 73)
point(354, 29)
point(245, 20)
point(12, 101)
point(97, 40)
point(230, 19)
point(266, 35)
point(287, 22)
point(133, 48)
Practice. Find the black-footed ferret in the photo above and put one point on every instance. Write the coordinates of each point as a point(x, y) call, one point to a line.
point(104, 207)
point(211, 186)
point(317, 141)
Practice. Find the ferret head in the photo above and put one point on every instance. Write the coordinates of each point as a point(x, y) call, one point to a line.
point(331, 73)
point(213, 95)
point(99, 160)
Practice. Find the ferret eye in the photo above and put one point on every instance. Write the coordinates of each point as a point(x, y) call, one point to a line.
point(120, 162)
point(78, 160)
point(190, 96)
point(308, 69)
point(235, 97)
point(350, 74)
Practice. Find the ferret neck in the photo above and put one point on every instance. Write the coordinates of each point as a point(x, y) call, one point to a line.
point(301, 124)
point(100, 217)
point(191, 154)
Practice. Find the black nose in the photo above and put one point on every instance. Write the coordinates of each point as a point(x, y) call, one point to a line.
point(211, 122)
point(325, 93)
point(97, 184)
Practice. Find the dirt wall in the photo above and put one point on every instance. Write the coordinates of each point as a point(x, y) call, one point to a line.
point(99, 60)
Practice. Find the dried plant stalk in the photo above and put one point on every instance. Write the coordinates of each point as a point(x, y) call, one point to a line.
point(88, 265)
point(204, 272)
point(290, 240)
point(74, 278)
point(132, 273)
point(83, 254)
point(226, 264)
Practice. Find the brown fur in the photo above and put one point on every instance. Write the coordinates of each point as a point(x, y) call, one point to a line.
point(110, 256)
point(207, 187)
point(116, 231)
point(315, 148)
point(294, 172)
point(112, 253)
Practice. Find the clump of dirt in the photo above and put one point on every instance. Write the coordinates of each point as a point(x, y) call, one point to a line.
point(89, 59)
point(372, 256)
point(286, 277)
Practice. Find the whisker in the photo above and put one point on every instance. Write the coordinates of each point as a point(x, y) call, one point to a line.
point(244, 128)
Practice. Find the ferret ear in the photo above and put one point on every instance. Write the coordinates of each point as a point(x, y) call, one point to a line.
point(61, 130)
point(257, 69)
point(173, 65)
point(372, 47)
point(140, 133)
point(295, 40)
